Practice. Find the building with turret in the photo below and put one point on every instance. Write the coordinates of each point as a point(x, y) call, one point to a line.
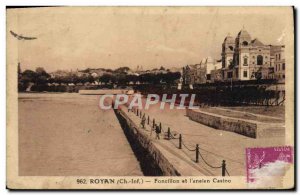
point(244, 58)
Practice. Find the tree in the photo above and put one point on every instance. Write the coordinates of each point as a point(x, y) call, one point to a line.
point(105, 78)
point(121, 79)
point(171, 77)
point(162, 68)
point(86, 70)
point(28, 76)
point(150, 78)
point(86, 78)
point(25, 79)
point(40, 70)
point(124, 69)
point(41, 76)
point(132, 78)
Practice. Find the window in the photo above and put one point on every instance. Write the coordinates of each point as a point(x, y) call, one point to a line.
point(283, 76)
point(283, 66)
point(260, 60)
point(278, 56)
point(278, 67)
point(245, 74)
point(229, 75)
point(208, 77)
point(245, 61)
point(245, 43)
point(231, 48)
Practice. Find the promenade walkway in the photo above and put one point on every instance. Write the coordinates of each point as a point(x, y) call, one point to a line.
point(215, 145)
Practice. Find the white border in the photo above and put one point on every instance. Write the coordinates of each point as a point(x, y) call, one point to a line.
point(5, 3)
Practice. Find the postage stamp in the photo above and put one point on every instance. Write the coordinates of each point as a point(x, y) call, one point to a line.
point(266, 164)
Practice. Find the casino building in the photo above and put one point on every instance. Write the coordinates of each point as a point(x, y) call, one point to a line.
point(244, 58)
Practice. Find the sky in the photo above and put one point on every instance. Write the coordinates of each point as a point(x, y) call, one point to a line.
point(70, 38)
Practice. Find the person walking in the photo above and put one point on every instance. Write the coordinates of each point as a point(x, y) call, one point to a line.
point(157, 131)
point(143, 121)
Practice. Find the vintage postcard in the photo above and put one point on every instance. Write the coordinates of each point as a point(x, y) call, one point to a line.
point(164, 98)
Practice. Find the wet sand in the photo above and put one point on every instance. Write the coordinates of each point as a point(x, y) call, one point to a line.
point(68, 135)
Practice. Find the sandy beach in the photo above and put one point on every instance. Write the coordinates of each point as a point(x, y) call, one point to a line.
point(68, 135)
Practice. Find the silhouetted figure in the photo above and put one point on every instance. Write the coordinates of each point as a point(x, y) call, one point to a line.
point(143, 122)
point(157, 131)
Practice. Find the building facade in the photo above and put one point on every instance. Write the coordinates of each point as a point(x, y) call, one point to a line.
point(244, 58)
point(278, 64)
point(216, 73)
point(198, 73)
point(193, 74)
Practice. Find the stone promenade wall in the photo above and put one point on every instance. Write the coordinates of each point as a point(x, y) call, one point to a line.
point(225, 123)
point(144, 141)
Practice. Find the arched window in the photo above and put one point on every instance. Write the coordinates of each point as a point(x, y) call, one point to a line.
point(260, 60)
point(231, 48)
point(245, 43)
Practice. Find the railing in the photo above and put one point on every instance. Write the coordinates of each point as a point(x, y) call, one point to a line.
point(171, 136)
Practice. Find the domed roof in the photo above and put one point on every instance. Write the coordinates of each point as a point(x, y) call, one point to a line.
point(243, 33)
point(228, 39)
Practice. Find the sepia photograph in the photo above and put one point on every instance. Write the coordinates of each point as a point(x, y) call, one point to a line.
point(150, 98)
